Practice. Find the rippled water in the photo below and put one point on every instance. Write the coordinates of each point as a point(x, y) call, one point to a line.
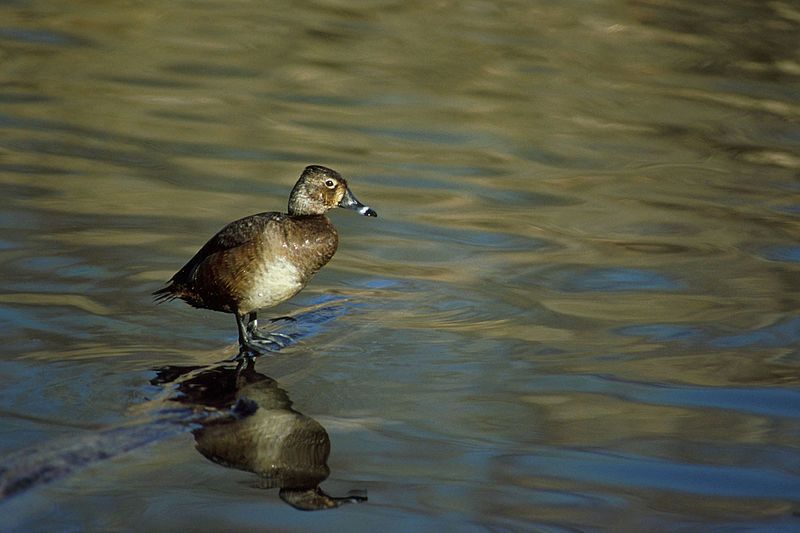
point(578, 309)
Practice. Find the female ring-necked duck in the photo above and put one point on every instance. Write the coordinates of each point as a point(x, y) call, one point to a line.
point(264, 259)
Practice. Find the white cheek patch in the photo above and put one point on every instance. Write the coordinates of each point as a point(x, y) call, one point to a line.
point(363, 209)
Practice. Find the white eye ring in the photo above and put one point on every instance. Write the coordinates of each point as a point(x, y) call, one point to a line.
point(330, 184)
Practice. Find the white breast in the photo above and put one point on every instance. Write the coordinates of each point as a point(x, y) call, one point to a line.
point(272, 284)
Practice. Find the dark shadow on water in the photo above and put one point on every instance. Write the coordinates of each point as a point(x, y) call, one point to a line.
point(285, 448)
point(56, 459)
point(240, 419)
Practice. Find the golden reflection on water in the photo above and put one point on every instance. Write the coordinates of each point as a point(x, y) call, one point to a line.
point(579, 419)
point(587, 241)
point(77, 301)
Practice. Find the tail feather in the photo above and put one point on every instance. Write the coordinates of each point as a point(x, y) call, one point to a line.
point(165, 295)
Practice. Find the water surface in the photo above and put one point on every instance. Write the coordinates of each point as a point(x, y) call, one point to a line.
point(578, 309)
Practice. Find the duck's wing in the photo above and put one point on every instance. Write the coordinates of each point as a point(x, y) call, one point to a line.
point(233, 235)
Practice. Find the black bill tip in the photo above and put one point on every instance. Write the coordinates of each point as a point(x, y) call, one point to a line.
point(349, 201)
point(367, 211)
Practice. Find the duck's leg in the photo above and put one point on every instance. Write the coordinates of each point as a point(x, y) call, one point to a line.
point(245, 363)
point(252, 321)
point(251, 343)
point(272, 338)
point(246, 350)
point(244, 338)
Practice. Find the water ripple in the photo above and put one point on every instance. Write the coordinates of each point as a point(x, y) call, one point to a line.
point(575, 278)
point(785, 333)
point(768, 401)
point(41, 36)
point(787, 253)
point(630, 470)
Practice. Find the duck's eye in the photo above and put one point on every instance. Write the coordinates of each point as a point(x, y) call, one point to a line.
point(330, 184)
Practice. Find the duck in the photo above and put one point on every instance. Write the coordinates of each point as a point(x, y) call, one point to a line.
point(262, 260)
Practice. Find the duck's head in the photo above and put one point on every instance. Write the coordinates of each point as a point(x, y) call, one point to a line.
point(320, 189)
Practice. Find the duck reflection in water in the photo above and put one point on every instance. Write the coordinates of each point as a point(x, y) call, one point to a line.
point(287, 449)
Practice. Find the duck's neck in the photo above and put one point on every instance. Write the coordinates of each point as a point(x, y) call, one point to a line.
point(295, 215)
point(302, 208)
point(302, 203)
point(319, 242)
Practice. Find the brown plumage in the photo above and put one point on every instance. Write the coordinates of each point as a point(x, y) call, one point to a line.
point(262, 260)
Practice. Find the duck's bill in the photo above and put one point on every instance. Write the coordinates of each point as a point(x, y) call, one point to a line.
point(349, 201)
